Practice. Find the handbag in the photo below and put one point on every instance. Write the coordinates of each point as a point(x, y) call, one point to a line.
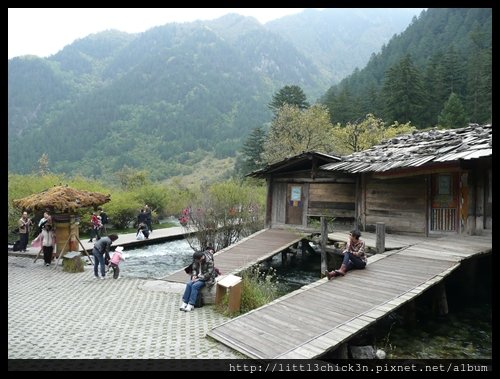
point(189, 269)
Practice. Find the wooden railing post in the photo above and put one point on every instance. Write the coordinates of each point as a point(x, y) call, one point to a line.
point(324, 239)
point(380, 232)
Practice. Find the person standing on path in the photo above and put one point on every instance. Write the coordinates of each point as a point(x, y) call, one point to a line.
point(101, 248)
point(24, 224)
point(48, 242)
point(147, 211)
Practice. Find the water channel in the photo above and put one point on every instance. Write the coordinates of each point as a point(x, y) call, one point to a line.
point(464, 333)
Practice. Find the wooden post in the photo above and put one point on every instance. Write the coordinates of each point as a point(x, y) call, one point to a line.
point(380, 244)
point(324, 239)
point(342, 351)
point(442, 302)
point(284, 258)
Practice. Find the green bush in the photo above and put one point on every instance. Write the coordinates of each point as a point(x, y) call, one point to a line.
point(123, 209)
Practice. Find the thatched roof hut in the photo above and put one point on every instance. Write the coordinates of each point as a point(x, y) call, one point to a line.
point(61, 199)
point(63, 202)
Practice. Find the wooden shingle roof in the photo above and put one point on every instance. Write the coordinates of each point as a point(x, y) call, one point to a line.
point(418, 149)
point(300, 161)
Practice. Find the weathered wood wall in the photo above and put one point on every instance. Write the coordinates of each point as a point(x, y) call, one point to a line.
point(332, 199)
point(399, 203)
point(325, 195)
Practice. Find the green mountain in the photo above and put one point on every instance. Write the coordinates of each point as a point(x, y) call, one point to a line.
point(162, 100)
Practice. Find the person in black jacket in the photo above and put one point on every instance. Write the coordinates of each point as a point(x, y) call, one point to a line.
point(101, 248)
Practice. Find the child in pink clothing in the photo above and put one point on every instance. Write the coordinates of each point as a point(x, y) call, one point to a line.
point(115, 261)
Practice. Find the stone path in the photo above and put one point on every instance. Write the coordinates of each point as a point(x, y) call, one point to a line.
point(57, 315)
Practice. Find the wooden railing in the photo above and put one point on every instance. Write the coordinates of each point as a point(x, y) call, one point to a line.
point(444, 219)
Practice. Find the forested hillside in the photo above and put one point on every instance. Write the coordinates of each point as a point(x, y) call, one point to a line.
point(165, 99)
point(438, 69)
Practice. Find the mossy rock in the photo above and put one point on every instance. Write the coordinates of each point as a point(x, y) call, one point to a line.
point(72, 263)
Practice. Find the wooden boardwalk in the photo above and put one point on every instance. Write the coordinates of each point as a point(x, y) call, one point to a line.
point(251, 250)
point(318, 317)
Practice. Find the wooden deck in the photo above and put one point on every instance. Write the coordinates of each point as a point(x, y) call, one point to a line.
point(251, 250)
point(318, 317)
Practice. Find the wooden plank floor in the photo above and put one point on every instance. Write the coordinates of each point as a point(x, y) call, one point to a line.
point(392, 241)
point(255, 248)
point(306, 323)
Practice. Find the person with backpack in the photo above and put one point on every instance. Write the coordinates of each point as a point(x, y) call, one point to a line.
point(202, 274)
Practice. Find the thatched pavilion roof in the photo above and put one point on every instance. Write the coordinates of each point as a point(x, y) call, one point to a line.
point(61, 199)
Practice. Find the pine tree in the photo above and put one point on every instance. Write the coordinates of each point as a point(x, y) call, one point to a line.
point(453, 114)
point(250, 159)
point(403, 92)
point(291, 95)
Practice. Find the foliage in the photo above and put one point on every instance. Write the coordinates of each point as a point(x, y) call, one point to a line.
point(403, 92)
point(223, 213)
point(453, 113)
point(179, 195)
point(290, 95)
point(371, 131)
point(155, 196)
point(130, 178)
point(251, 156)
point(294, 131)
point(258, 288)
point(123, 209)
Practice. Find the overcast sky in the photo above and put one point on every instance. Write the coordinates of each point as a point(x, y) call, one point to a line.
point(45, 31)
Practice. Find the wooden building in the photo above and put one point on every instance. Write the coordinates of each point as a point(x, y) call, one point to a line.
point(298, 191)
point(424, 183)
point(428, 182)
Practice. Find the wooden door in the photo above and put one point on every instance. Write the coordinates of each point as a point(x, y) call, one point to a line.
point(444, 215)
point(294, 204)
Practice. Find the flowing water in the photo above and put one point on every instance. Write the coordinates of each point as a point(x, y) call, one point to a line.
point(464, 333)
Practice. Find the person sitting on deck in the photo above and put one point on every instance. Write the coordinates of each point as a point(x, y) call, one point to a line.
point(202, 275)
point(354, 256)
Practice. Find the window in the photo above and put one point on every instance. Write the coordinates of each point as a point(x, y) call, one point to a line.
point(444, 185)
